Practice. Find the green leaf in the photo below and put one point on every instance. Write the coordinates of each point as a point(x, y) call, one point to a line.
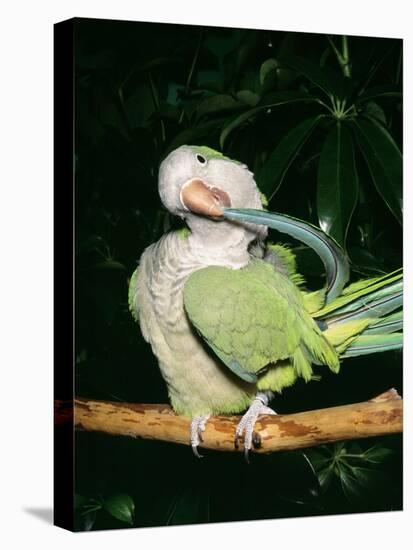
point(378, 92)
point(90, 243)
point(358, 482)
point(384, 161)
point(369, 70)
point(337, 188)
point(210, 80)
point(351, 486)
point(268, 102)
point(377, 454)
point(89, 520)
point(365, 262)
point(268, 72)
point(322, 460)
point(139, 106)
point(274, 99)
point(195, 135)
point(325, 476)
point(216, 104)
point(272, 173)
point(362, 484)
point(220, 45)
point(319, 77)
point(85, 512)
point(80, 500)
point(120, 507)
point(319, 456)
point(189, 506)
point(248, 98)
point(134, 77)
point(167, 112)
point(374, 111)
point(109, 264)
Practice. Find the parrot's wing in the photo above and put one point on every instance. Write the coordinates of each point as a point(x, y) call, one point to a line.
point(252, 318)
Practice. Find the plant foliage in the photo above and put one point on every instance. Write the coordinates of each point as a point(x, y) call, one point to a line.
point(318, 119)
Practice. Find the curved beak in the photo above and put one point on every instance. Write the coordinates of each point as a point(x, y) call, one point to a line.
point(199, 198)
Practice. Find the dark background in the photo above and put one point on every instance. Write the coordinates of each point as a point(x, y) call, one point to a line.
point(143, 89)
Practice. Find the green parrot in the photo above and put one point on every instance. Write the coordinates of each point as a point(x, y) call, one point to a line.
point(227, 316)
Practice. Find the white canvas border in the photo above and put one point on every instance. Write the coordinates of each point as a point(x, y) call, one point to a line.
point(26, 270)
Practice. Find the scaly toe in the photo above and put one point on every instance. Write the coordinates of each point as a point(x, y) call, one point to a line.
point(246, 425)
point(198, 426)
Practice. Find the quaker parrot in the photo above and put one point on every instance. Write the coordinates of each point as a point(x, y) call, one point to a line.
point(227, 316)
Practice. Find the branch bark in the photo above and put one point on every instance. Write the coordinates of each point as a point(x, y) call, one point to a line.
point(379, 416)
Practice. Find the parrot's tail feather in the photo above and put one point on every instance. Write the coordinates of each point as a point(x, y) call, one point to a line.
point(391, 323)
point(366, 317)
point(365, 344)
point(362, 293)
point(368, 307)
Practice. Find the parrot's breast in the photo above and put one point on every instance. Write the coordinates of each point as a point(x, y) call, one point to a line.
point(197, 382)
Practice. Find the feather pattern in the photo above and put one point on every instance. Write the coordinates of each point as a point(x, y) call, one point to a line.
point(227, 317)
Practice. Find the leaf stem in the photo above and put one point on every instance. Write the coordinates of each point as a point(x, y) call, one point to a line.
point(346, 60)
point(321, 102)
point(191, 71)
point(352, 455)
point(334, 47)
point(155, 99)
point(343, 56)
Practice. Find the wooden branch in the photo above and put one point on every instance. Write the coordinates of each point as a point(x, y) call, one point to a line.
point(379, 416)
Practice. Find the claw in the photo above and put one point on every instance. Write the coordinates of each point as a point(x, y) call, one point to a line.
point(256, 440)
point(198, 425)
point(195, 451)
point(245, 427)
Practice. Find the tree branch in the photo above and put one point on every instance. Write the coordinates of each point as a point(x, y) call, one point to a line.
point(379, 416)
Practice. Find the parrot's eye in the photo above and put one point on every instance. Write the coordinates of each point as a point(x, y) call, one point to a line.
point(201, 159)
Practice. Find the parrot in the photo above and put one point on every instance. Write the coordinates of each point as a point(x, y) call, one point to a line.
point(226, 313)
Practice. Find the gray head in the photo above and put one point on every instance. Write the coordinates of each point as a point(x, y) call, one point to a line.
point(195, 182)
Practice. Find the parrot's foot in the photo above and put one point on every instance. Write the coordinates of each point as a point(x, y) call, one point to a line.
point(197, 427)
point(246, 426)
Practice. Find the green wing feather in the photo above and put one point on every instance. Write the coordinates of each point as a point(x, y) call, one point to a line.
point(254, 318)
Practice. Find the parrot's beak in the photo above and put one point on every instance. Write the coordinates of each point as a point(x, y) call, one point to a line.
point(200, 198)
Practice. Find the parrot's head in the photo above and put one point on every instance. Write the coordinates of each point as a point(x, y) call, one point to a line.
point(196, 183)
